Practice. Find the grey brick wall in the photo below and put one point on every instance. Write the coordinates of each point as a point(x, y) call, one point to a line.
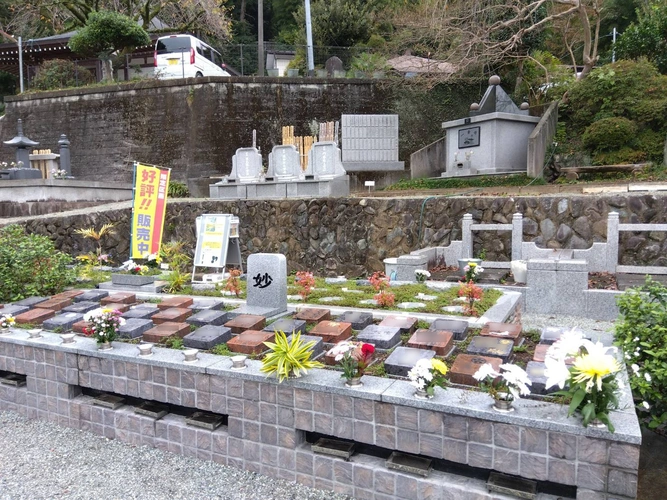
point(267, 423)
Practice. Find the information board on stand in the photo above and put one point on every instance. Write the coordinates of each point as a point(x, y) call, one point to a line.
point(217, 244)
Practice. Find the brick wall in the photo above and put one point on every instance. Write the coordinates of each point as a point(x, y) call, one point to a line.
point(267, 422)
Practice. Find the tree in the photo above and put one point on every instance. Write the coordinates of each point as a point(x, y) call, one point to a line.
point(106, 33)
point(647, 38)
point(477, 34)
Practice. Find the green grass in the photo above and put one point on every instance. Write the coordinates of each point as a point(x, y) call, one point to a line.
point(221, 350)
point(459, 183)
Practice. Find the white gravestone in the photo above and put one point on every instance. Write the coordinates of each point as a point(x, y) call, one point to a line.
point(324, 161)
point(284, 164)
point(246, 166)
point(266, 284)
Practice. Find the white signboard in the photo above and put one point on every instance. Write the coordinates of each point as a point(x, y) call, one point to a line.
point(213, 240)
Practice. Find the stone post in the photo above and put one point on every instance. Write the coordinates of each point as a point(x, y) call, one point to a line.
point(65, 163)
point(466, 237)
point(612, 242)
point(517, 235)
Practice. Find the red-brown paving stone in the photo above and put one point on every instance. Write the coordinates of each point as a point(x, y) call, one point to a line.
point(541, 352)
point(466, 365)
point(172, 315)
point(332, 331)
point(162, 332)
point(245, 322)
point(68, 294)
point(407, 324)
point(498, 330)
point(313, 315)
point(439, 341)
point(117, 306)
point(79, 326)
point(35, 316)
point(119, 298)
point(250, 342)
point(180, 302)
point(55, 304)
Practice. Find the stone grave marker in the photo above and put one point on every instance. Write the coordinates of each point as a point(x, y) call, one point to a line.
point(201, 304)
point(79, 326)
point(173, 315)
point(63, 321)
point(250, 342)
point(437, 340)
point(458, 327)
point(162, 332)
point(284, 164)
point(403, 359)
point(140, 313)
point(91, 296)
point(81, 307)
point(55, 304)
point(541, 352)
point(36, 316)
point(244, 322)
point(119, 298)
point(466, 365)
point(332, 331)
point(324, 161)
point(313, 315)
point(318, 347)
point(246, 166)
point(117, 306)
point(266, 285)
point(208, 317)
point(551, 334)
point(287, 326)
point(180, 302)
point(30, 302)
point(207, 337)
point(535, 372)
point(407, 324)
point(332, 64)
point(14, 309)
point(504, 331)
point(358, 320)
point(491, 346)
point(134, 327)
point(382, 337)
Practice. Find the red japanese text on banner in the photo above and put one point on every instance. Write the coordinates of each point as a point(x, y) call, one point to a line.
point(150, 202)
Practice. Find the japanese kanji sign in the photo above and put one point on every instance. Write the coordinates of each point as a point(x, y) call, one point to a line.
point(150, 202)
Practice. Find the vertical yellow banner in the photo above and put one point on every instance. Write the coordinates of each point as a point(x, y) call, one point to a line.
point(150, 203)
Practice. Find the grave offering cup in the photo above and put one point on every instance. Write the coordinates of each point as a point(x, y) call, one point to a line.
point(35, 333)
point(104, 346)
point(354, 382)
point(419, 394)
point(190, 355)
point(145, 349)
point(238, 362)
point(68, 338)
point(503, 402)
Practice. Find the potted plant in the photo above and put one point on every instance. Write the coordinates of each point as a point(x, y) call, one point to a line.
point(288, 359)
point(591, 380)
point(421, 275)
point(510, 383)
point(470, 293)
point(354, 358)
point(6, 322)
point(305, 282)
point(426, 375)
point(104, 325)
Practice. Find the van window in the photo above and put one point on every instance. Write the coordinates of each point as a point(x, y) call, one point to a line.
point(173, 44)
point(207, 53)
point(217, 58)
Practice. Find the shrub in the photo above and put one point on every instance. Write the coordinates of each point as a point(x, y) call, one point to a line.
point(58, 73)
point(640, 334)
point(288, 358)
point(30, 265)
point(177, 190)
point(609, 134)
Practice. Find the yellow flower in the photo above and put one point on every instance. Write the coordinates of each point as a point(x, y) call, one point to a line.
point(439, 366)
point(593, 367)
point(472, 264)
point(107, 310)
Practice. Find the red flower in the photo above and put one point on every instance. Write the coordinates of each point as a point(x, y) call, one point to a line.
point(87, 331)
point(367, 349)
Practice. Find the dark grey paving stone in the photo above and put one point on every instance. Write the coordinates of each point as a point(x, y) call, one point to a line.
point(287, 326)
point(209, 317)
point(207, 337)
point(134, 327)
point(358, 320)
point(491, 346)
point(403, 359)
point(140, 313)
point(535, 372)
point(201, 304)
point(81, 307)
point(91, 296)
point(382, 337)
point(551, 334)
point(13, 309)
point(318, 347)
point(458, 327)
point(63, 322)
point(30, 301)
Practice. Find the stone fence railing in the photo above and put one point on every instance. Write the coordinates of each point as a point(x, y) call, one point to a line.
point(268, 427)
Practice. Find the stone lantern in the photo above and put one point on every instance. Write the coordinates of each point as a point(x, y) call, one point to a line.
point(23, 146)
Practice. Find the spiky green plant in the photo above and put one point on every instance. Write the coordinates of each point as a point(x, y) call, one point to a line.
point(288, 358)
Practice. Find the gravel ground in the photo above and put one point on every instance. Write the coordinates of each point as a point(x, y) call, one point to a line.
point(530, 321)
point(43, 460)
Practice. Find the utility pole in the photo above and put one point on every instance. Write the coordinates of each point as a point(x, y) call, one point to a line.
point(613, 50)
point(20, 65)
point(309, 40)
point(260, 37)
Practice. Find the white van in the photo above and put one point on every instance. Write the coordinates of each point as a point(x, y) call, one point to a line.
point(184, 56)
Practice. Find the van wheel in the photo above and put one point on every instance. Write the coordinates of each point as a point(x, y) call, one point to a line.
point(199, 74)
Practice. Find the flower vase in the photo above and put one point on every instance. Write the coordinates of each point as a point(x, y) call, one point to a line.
point(4, 331)
point(420, 394)
point(503, 403)
point(104, 346)
point(597, 423)
point(354, 382)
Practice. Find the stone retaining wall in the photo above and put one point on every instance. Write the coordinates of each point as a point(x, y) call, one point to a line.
point(267, 422)
point(352, 236)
